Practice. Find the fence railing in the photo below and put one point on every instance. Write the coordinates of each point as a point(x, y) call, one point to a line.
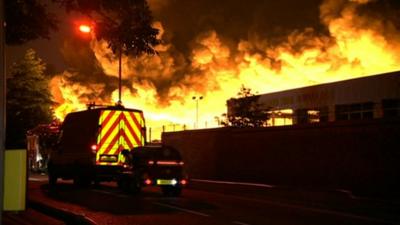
point(154, 132)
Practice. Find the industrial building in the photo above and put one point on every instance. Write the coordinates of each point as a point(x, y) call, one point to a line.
point(347, 137)
point(376, 96)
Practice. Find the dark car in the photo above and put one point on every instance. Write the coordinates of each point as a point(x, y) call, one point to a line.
point(153, 166)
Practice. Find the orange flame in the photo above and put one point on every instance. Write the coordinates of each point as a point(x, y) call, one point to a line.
point(217, 71)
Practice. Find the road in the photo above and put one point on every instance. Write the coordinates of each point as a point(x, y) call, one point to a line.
point(207, 203)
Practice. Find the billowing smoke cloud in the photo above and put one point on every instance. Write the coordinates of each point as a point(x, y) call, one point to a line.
point(211, 48)
point(85, 80)
point(233, 19)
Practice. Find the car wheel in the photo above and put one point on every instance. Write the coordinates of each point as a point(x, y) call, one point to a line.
point(171, 191)
point(82, 181)
point(52, 176)
point(134, 187)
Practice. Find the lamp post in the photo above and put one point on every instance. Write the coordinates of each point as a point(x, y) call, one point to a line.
point(88, 29)
point(197, 99)
point(2, 104)
point(119, 76)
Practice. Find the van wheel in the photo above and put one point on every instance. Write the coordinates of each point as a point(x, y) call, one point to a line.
point(129, 185)
point(171, 191)
point(52, 179)
point(96, 182)
point(120, 184)
point(134, 187)
point(82, 181)
point(52, 176)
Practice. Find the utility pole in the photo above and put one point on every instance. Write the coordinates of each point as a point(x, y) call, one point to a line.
point(2, 105)
point(119, 76)
point(88, 29)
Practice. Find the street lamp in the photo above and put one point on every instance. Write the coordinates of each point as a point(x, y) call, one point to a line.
point(88, 29)
point(85, 28)
point(197, 99)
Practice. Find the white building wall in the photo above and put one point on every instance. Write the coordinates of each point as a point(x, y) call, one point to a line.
point(373, 88)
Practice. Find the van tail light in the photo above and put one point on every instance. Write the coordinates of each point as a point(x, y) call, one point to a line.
point(183, 182)
point(148, 182)
point(94, 148)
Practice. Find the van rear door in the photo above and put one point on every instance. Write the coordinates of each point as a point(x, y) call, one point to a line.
point(118, 130)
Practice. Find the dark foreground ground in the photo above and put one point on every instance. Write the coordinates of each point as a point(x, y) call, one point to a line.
point(203, 202)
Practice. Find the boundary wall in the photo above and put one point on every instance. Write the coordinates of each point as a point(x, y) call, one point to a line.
point(354, 155)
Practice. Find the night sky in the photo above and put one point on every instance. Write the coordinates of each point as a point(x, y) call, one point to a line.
point(184, 20)
point(234, 19)
point(290, 24)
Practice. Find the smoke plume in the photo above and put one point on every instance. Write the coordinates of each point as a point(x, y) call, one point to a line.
point(212, 48)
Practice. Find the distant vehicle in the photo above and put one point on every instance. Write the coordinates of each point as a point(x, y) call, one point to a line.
point(90, 144)
point(155, 165)
point(39, 141)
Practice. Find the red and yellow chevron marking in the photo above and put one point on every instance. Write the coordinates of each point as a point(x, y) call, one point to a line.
point(119, 130)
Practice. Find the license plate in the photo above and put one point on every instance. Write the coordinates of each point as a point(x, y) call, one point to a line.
point(108, 158)
point(165, 182)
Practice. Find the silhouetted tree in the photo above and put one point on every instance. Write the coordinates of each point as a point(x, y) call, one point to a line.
point(245, 111)
point(126, 25)
point(27, 20)
point(28, 99)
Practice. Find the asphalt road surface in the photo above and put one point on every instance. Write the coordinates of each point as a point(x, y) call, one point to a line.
point(209, 203)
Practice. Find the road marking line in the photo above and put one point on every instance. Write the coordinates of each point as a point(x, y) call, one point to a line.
point(124, 195)
point(111, 193)
point(37, 179)
point(237, 183)
point(182, 209)
point(240, 223)
point(318, 210)
point(348, 193)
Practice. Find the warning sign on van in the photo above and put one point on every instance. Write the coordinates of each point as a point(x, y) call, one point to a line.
point(118, 130)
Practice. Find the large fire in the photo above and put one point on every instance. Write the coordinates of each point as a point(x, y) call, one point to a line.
point(216, 71)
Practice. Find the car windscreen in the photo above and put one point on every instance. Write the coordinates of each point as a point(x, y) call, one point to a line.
point(156, 153)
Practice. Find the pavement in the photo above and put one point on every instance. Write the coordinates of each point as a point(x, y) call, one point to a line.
point(29, 217)
point(38, 213)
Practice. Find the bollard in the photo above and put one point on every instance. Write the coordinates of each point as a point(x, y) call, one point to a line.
point(15, 180)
